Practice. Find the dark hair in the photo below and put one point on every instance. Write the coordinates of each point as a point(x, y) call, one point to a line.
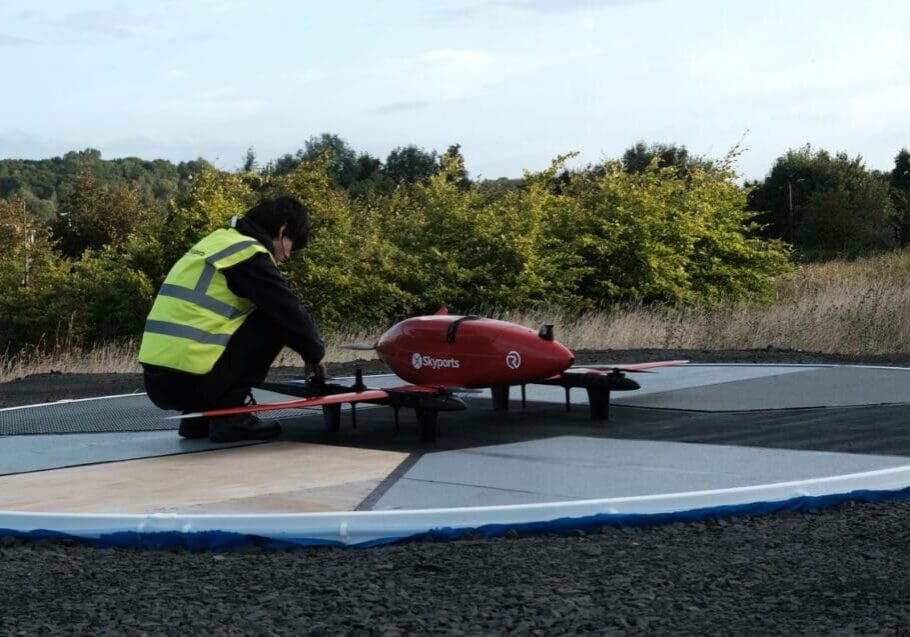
point(271, 214)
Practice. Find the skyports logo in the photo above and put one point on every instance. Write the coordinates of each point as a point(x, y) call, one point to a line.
point(419, 362)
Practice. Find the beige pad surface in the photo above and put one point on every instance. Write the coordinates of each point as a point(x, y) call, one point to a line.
point(282, 477)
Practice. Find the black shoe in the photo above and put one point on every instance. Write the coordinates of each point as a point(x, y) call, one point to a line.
point(241, 427)
point(194, 428)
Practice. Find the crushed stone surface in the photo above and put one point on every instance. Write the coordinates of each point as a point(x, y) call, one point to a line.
point(839, 571)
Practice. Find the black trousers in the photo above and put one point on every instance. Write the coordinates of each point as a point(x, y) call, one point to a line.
point(244, 363)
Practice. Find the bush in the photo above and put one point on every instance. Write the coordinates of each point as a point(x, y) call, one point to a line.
point(566, 240)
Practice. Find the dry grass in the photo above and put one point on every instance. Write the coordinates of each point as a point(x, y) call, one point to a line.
point(857, 307)
point(109, 358)
point(121, 358)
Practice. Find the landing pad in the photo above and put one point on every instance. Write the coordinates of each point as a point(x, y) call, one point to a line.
point(693, 438)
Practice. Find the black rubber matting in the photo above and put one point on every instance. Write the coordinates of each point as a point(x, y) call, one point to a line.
point(875, 429)
point(101, 415)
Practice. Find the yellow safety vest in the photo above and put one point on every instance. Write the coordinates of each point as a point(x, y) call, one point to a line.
point(195, 313)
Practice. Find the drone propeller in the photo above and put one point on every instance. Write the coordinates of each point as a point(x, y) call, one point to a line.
point(466, 391)
point(613, 370)
point(635, 368)
point(362, 347)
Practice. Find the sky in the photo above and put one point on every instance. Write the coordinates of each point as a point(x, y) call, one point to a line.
point(514, 82)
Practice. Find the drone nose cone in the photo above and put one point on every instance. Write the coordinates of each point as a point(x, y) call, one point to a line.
point(532, 356)
point(561, 355)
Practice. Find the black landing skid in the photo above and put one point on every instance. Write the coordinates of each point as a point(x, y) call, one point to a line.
point(598, 387)
point(426, 405)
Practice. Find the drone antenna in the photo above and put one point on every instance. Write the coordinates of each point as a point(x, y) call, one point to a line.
point(358, 381)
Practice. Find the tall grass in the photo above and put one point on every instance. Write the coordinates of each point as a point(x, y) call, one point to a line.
point(120, 358)
point(848, 307)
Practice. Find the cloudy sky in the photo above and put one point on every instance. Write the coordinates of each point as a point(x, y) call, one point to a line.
point(515, 82)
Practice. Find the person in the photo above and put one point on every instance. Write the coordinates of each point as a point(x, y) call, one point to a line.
point(221, 317)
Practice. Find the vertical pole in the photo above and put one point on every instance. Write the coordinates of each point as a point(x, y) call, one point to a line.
point(790, 211)
point(24, 243)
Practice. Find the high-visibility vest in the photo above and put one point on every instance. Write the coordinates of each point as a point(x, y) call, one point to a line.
point(195, 313)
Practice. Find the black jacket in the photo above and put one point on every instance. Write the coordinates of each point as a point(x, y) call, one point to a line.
point(258, 280)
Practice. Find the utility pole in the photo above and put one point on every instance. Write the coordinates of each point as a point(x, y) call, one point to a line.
point(26, 241)
point(790, 213)
point(790, 183)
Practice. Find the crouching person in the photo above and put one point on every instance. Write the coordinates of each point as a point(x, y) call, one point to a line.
point(221, 317)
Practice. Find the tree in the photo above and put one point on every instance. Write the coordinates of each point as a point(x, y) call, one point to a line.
point(32, 280)
point(43, 183)
point(833, 224)
point(798, 190)
point(452, 165)
point(341, 163)
point(899, 180)
point(249, 161)
point(25, 243)
point(639, 157)
point(342, 275)
point(454, 246)
point(210, 202)
point(93, 215)
point(411, 164)
point(340, 159)
point(655, 236)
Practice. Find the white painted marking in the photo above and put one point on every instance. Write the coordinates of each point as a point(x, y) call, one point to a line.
point(72, 400)
point(355, 527)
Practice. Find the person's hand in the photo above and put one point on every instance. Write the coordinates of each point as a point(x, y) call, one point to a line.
point(315, 370)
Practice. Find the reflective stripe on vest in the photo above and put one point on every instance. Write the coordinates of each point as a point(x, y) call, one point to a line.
point(185, 331)
point(195, 313)
point(198, 294)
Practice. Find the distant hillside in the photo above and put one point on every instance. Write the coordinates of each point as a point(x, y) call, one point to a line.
point(44, 183)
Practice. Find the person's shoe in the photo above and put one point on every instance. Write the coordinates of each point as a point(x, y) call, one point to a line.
point(194, 428)
point(241, 427)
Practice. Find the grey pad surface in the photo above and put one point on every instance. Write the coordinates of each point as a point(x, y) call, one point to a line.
point(107, 414)
point(660, 380)
point(110, 414)
point(812, 387)
point(578, 467)
point(19, 454)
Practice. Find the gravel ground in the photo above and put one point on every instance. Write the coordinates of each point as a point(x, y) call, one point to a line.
point(839, 571)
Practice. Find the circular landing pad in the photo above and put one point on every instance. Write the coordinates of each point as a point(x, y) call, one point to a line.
point(694, 441)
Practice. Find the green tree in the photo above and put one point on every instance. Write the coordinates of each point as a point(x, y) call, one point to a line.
point(451, 163)
point(32, 277)
point(25, 243)
point(94, 215)
point(340, 160)
point(208, 204)
point(455, 246)
point(654, 236)
point(249, 161)
point(44, 183)
point(411, 164)
point(342, 164)
point(899, 180)
point(639, 157)
point(106, 301)
point(341, 276)
point(792, 201)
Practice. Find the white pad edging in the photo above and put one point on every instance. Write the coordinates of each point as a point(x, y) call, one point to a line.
point(376, 527)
